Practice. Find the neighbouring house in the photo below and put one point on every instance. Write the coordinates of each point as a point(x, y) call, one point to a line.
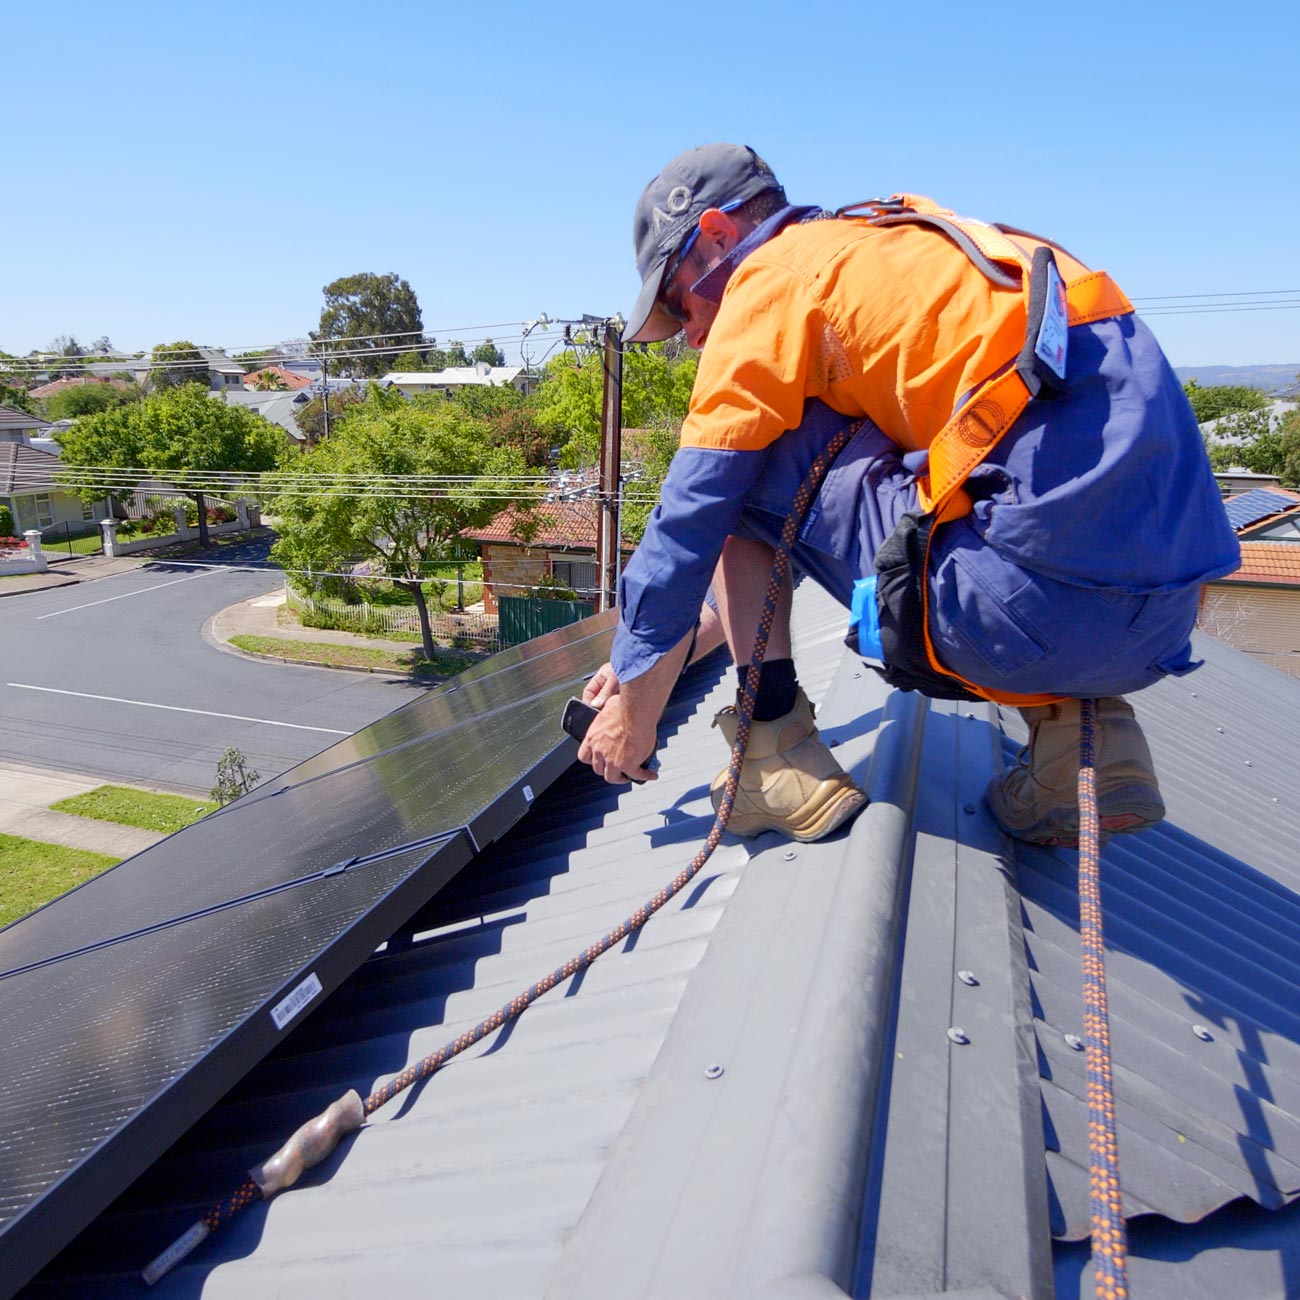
point(80, 381)
point(278, 407)
point(560, 550)
point(18, 426)
point(289, 379)
point(27, 487)
point(223, 371)
point(1257, 608)
point(480, 374)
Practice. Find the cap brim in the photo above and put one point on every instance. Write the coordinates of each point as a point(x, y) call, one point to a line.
point(648, 322)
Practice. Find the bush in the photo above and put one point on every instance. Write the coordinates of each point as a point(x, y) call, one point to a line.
point(6, 522)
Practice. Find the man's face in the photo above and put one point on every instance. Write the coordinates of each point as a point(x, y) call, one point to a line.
point(696, 314)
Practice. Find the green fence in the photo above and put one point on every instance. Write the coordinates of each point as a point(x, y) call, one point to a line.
point(522, 617)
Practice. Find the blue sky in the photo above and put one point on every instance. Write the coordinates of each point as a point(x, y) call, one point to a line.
point(201, 173)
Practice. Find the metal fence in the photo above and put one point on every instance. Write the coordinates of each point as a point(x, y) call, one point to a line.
point(470, 631)
point(64, 539)
point(524, 617)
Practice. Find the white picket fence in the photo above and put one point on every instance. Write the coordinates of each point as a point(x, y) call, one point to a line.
point(467, 631)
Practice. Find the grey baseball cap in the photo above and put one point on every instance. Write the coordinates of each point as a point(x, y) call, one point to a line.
point(670, 207)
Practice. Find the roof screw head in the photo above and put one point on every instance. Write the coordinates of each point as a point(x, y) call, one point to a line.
point(967, 977)
point(857, 674)
point(1202, 1033)
point(1248, 762)
point(713, 1072)
point(970, 715)
point(1220, 731)
point(1074, 1042)
point(970, 808)
point(790, 855)
point(958, 1036)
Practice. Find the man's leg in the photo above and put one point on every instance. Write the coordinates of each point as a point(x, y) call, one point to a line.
point(790, 781)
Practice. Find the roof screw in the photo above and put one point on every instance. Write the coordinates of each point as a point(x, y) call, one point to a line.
point(1202, 1033)
point(713, 1072)
point(1194, 696)
point(958, 1036)
point(1248, 762)
point(790, 855)
point(967, 977)
point(970, 715)
point(1220, 730)
point(857, 674)
point(970, 808)
point(1074, 1042)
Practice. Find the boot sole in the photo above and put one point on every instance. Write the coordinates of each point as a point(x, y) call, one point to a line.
point(825, 812)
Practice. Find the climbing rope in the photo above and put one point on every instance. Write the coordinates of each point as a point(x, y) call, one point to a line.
point(1109, 1236)
point(317, 1138)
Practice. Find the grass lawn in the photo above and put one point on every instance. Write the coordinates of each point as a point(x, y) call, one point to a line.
point(31, 873)
point(58, 545)
point(143, 808)
point(349, 656)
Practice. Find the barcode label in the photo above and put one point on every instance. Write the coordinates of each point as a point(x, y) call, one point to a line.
point(528, 793)
point(288, 1007)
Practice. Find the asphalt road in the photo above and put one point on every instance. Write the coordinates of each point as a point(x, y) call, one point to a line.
point(113, 678)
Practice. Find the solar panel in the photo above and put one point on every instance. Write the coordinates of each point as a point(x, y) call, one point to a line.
point(1250, 507)
point(128, 1006)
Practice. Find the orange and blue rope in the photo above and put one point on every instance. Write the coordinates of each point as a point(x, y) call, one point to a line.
point(1109, 1235)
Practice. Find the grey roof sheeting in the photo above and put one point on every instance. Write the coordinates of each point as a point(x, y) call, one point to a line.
point(848, 1145)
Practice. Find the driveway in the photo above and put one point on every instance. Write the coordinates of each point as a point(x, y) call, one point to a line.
point(113, 678)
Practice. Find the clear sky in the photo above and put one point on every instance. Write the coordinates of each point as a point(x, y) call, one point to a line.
point(200, 172)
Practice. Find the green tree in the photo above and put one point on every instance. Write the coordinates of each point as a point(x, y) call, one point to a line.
point(656, 391)
point(454, 355)
point(1222, 399)
point(658, 444)
point(330, 525)
point(174, 365)
point(364, 313)
point(408, 362)
point(84, 399)
point(177, 429)
point(510, 420)
point(16, 397)
point(489, 352)
point(269, 381)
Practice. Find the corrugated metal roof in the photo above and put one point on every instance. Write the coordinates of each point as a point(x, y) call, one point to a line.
point(1203, 932)
point(12, 418)
point(848, 1144)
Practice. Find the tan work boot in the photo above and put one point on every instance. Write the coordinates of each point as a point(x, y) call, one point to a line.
point(1038, 800)
point(790, 782)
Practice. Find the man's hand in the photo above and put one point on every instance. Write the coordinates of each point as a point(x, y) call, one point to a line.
point(615, 746)
point(602, 686)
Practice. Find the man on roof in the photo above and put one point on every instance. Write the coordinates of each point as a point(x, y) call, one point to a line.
point(1024, 504)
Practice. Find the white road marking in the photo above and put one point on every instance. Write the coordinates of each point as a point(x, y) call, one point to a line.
point(139, 592)
point(175, 708)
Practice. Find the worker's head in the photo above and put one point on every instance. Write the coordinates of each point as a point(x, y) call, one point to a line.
point(690, 216)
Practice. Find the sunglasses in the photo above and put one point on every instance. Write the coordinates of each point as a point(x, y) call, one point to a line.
point(670, 297)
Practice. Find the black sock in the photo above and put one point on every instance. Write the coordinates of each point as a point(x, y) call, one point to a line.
point(777, 687)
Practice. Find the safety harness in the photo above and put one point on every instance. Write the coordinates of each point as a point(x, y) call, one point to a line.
point(1016, 261)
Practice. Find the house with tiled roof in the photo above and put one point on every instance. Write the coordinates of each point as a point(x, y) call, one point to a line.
point(78, 381)
point(479, 375)
point(288, 379)
point(552, 545)
point(1257, 608)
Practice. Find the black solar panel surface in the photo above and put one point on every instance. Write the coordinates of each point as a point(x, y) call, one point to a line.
point(129, 1005)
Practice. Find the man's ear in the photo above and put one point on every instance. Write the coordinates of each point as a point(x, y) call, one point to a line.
point(719, 229)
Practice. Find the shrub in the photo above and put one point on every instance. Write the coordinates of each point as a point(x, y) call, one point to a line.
point(7, 527)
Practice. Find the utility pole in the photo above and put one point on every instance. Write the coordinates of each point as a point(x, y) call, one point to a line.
point(325, 394)
point(608, 541)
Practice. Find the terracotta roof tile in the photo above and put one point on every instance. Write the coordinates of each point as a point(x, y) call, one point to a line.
point(568, 525)
point(1275, 563)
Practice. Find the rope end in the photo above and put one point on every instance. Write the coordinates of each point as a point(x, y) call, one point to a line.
point(176, 1252)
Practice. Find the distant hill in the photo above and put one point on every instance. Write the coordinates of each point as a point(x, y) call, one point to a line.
point(1278, 380)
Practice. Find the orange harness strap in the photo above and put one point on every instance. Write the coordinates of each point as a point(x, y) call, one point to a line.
point(977, 426)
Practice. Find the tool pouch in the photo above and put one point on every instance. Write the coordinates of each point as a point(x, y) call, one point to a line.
point(900, 609)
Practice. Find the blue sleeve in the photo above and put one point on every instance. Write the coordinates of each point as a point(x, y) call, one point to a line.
point(664, 584)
